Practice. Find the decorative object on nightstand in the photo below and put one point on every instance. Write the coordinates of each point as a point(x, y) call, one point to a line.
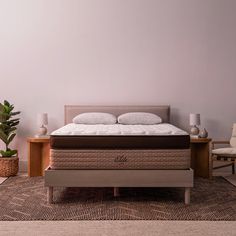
point(203, 133)
point(9, 161)
point(194, 121)
point(42, 122)
point(200, 156)
point(38, 155)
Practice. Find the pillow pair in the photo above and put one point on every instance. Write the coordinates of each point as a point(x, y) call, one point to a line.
point(130, 118)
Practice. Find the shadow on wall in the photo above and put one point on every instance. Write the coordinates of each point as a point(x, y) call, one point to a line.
point(53, 124)
point(179, 118)
point(219, 128)
point(25, 126)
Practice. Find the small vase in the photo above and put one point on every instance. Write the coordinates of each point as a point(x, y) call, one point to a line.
point(42, 131)
point(203, 133)
point(194, 130)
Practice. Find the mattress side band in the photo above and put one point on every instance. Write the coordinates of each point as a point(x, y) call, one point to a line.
point(120, 142)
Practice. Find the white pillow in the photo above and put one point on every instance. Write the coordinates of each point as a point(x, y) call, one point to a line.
point(93, 118)
point(139, 118)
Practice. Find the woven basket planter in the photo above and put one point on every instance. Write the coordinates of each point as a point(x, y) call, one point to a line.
point(9, 166)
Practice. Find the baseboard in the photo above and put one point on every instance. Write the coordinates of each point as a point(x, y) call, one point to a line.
point(23, 166)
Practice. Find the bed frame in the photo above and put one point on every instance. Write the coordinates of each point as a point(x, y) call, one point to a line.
point(118, 178)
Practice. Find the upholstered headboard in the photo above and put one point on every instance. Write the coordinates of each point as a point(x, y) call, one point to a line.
point(72, 110)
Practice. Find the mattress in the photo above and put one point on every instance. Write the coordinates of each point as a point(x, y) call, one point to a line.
point(80, 136)
point(120, 159)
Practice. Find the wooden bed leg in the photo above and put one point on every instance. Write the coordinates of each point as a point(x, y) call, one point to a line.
point(50, 195)
point(187, 196)
point(116, 192)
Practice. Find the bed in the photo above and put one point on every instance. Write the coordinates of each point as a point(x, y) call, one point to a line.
point(126, 156)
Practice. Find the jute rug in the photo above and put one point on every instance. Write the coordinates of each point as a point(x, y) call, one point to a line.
point(23, 198)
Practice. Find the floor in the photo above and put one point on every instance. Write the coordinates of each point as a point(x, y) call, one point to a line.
point(226, 172)
point(105, 228)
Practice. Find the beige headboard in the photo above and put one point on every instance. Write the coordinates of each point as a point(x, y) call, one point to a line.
point(72, 110)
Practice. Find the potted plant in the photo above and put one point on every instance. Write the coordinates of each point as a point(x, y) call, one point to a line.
point(9, 161)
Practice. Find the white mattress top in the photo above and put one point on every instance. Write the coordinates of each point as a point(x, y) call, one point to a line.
point(118, 129)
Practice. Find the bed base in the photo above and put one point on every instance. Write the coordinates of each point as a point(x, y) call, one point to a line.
point(119, 178)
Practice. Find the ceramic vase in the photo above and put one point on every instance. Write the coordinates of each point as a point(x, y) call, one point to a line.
point(203, 134)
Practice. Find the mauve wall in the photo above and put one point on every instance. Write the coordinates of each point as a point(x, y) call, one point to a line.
point(119, 52)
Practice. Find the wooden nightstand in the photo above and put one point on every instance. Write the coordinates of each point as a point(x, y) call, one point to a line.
point(200, 156)
point(38, 155)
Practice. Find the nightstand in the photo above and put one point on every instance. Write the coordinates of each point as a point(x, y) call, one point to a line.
point(38, 155)
point(200, 156)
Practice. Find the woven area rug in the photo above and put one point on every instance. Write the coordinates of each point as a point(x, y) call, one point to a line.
point(23, 198)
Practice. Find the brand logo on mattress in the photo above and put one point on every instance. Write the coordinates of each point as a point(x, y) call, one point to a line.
point(120, 159)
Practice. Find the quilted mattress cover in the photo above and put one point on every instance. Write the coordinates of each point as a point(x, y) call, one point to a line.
point(81, 136)
point(118, 129)
point(120, 159)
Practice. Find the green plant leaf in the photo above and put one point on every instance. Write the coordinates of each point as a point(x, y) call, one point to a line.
point(3, 112)
point(8, 153)
point(11, 123)
point(13, 152)
point(2, 153)
point(3, 126)
point(13, 120)
point(3, 116)
point(3, 136)
point(10, 137)
point(15, 113)
point(15, 123)
point(6, 103)
point(8, 122)
point(11, 108)
point(1, 107)
point(7, 109)
point(11, 129)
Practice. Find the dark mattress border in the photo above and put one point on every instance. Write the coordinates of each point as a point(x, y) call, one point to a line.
point(120, 142)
